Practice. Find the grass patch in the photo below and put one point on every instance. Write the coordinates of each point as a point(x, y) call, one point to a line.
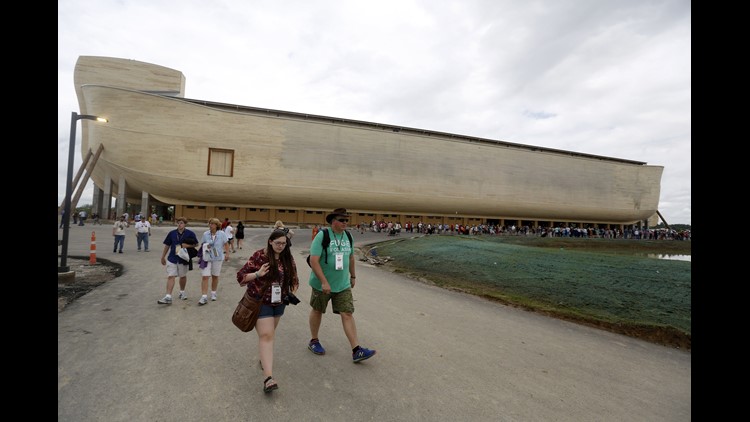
point(608, 283)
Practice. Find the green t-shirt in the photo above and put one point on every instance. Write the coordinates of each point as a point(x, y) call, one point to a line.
point(338, 279)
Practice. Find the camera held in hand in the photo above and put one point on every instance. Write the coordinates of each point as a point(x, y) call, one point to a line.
point(291, 299)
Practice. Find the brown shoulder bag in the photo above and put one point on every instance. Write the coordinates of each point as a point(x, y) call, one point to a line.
point(248, 309)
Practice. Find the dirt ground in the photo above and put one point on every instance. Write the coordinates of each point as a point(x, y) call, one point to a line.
point(87, 277)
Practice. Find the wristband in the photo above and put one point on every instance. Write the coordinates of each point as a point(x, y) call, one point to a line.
point(351, 276)
point(256, 275)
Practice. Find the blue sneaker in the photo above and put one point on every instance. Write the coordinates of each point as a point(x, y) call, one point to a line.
point(316, 347)
point(362, 354)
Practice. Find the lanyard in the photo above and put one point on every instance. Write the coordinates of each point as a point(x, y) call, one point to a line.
point(337, 241)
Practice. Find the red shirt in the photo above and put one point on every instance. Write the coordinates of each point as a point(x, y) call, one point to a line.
point(254, 285)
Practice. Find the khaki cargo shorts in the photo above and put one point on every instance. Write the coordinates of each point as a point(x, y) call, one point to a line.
point(342, 301)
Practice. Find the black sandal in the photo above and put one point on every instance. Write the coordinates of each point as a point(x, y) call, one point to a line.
point(268, 388)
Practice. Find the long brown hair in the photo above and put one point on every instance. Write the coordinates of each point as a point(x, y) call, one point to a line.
point(285, 257)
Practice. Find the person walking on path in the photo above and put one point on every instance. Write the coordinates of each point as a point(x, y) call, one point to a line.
point(240, 234)
point(215, 246)
point(142, 233)
point(333, 278)
point(118, 231)
point(229, 230)
point(274, 264)
point(176, 239)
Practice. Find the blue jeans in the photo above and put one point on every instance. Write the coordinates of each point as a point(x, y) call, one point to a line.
point(119, 239)
point(142, 237)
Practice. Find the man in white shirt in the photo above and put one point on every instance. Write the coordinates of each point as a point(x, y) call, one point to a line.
point(118, 231)
point(143, 231)
point(82, 217)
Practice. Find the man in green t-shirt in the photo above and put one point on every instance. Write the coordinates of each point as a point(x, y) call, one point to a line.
point(332, 278)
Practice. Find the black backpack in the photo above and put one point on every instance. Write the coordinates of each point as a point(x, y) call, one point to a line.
point(327, 241)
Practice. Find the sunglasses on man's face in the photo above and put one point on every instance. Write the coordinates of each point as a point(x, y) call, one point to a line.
point(342, 220)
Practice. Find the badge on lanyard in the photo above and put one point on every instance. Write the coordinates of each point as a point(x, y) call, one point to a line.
point(339, 261)
point(275, 293)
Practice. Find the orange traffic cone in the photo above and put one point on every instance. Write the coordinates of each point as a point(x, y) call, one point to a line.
point(92, 254)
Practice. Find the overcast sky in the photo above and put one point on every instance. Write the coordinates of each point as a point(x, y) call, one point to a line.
point(601, 77)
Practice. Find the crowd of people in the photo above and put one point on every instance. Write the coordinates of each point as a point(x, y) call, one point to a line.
point(393, 229)
point(270, 275)
point(80, 217)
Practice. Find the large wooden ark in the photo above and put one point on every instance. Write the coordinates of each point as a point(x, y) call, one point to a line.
point(163, 147)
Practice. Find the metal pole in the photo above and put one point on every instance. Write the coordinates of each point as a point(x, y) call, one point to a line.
point(63, 268)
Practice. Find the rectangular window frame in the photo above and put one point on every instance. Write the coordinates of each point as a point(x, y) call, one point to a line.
point(224, 152)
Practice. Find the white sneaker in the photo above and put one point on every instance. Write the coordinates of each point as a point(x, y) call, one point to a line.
point(183, 296)
point(166, 300)
point(203, 301)
point(213, 296)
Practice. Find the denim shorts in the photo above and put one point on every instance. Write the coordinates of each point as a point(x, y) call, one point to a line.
point(271, 311)
point(342, 301)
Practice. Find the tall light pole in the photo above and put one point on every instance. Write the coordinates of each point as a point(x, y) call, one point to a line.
point(63, 268)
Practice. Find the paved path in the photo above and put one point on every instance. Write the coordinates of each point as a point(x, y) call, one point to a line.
point(441, 355)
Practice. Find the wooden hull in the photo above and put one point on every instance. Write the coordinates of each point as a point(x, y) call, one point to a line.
point(160, 144)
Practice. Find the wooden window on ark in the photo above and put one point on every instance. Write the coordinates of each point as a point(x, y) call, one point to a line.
point(220, 162)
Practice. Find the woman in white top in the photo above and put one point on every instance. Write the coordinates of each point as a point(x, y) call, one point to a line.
point(229, 230)
point(215, 250)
